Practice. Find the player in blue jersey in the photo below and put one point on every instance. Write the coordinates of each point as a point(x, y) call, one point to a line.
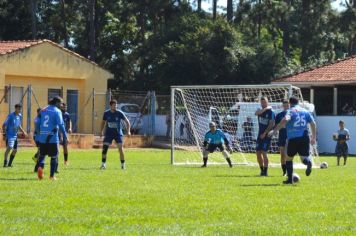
point(298, 141)
point(10, 128)
point(215, 138)
point(68, 126)
point(266, 119)
point(341, 138)
point(50, 124)
point(282, 136)
point(35, 138)
point(111, 130)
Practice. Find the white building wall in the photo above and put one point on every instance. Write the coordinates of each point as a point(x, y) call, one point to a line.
point(328, 125)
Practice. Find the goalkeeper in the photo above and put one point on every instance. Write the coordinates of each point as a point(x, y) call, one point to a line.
point(214, 139)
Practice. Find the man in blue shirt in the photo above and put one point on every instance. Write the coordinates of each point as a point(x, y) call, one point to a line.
point(296, 122)
point(111, 130)
point(10, 128)
point(68, 126)
point(50, 124)
point(215, 138)
point(282, 135)
point(265, 123)
point(341, 138)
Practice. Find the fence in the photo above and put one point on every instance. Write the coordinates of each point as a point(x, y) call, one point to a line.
point(146, 111)
point(84, 106)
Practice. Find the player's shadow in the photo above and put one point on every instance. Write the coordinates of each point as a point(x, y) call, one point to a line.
point(18, 179)
point(260, 185)
point(240, 176)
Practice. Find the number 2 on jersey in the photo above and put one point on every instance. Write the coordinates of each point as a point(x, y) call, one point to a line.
point(46, 119)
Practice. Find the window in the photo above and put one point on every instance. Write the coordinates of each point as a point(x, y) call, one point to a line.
point(323, 100)
point(54, 92)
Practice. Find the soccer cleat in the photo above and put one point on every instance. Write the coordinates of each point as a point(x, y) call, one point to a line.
point(309, 169)
point(123, 167)
point(66, 163)
point(230, 165)
point(52, 178)
point(103, 167)
point(203, 166)
point(40, 173)
point(10, 166)
point(287, 182)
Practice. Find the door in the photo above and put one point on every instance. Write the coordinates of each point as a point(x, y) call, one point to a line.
point(16, 97)
point(72, 108)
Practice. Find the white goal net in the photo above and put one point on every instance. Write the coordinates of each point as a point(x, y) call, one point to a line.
point(233, 109)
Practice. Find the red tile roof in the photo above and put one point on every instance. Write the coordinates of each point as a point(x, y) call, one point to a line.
point(7, 47)
point(340, 71)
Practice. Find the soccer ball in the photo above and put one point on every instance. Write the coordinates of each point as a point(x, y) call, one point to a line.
point(324, 165)
point(335, 135)
point(296, 178)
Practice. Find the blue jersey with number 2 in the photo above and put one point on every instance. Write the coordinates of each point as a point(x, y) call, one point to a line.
point(298, 120)
point(50, 123)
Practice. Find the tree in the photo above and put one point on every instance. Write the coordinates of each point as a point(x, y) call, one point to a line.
point(229, 11)
point(33, 10)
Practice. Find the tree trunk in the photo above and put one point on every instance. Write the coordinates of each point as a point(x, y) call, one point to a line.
point(92, 4)
point(64, 19)
point(229, 11)
point(286, 32)
point(199, 5)
point(214, 8)
point(305, 35)
point(33, 10)
point(259, 20)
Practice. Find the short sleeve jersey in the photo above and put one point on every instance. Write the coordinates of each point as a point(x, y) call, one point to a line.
point(264, 119)
point(66, 120)
point(297, 125)
point(12, 122)
point(51, 122)
point(282, 132)
point(214, 138)
point(342, 134)
point(113, 125)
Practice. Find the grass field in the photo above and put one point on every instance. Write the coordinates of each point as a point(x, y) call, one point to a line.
point(153, 197)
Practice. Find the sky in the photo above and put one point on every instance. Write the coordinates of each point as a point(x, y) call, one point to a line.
point(207, 5)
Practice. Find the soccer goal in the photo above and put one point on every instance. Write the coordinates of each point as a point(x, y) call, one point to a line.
point(233, 109)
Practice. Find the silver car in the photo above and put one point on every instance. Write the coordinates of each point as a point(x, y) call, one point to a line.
point(133, 113)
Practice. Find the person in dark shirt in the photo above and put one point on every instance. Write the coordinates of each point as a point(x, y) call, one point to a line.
point(282, 136)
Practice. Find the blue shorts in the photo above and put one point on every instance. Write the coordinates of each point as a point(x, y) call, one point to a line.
point(108, 139)
point(263, 144)
point(11, 143)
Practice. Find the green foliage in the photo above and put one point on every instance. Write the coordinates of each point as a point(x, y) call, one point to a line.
point(153, 197)
point(154, 44)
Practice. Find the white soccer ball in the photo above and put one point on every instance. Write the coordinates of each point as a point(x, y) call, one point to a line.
point(324, 165)
point(296, 178)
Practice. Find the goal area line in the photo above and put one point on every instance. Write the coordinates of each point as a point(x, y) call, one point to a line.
point(272, 165)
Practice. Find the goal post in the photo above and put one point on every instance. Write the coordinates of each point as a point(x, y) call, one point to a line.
point(232, 108)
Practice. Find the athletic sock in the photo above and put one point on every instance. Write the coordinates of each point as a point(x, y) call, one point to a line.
point(306, 161)
point(103, 160)
point(265, 171)
point(284, 168)
point(56, 169)
point(54, 164)
point(11, 160)
point(229, 161)
point(122, 164)
point(5, 163)
point(289, 167)
point(205, 160)
point(66, 157)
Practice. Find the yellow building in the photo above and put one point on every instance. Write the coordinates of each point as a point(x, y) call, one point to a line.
point(49, 70)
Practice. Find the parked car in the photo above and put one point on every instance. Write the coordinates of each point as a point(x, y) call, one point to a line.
point(133, 113)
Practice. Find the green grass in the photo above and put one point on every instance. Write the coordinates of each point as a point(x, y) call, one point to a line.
point(153, 197)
